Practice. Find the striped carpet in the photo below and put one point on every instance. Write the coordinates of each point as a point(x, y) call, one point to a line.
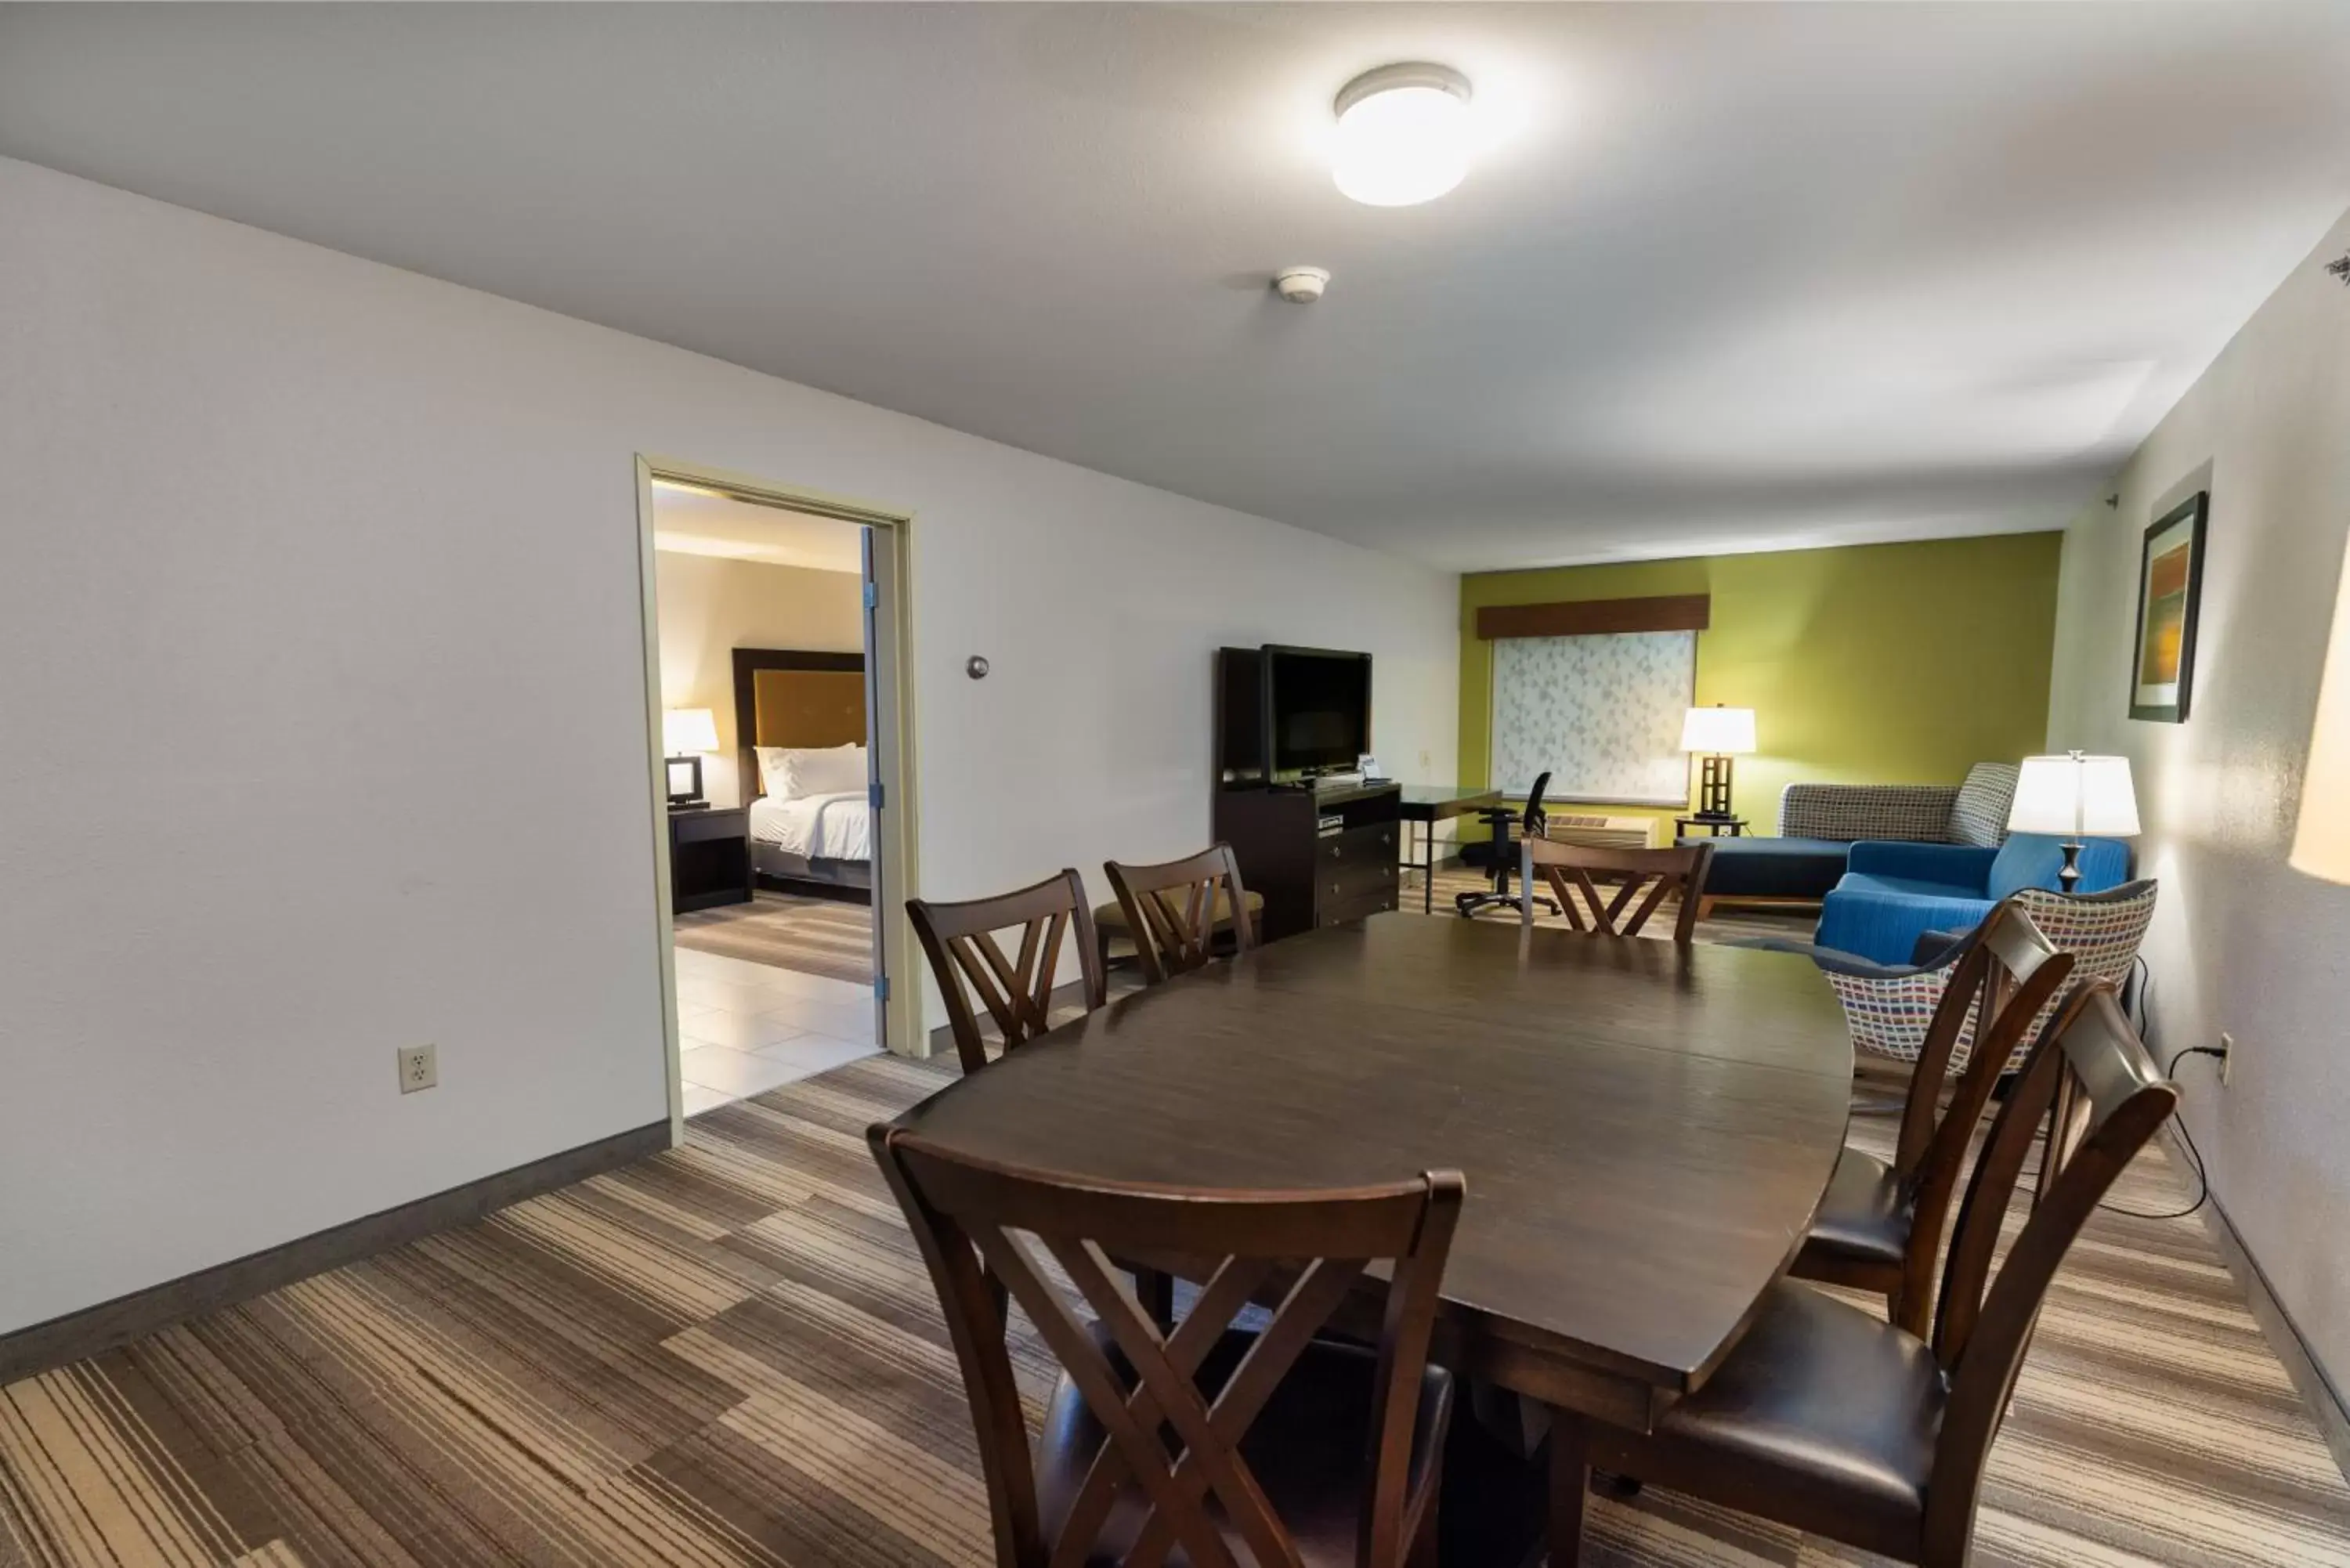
point(729, 1354)
point(787, 930)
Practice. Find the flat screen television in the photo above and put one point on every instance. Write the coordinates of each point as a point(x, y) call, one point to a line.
point(1317, 709)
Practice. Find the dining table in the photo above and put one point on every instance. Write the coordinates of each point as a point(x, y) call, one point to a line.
point(1646, 1128)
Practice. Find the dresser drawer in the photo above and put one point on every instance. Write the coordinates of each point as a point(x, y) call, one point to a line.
point(703, 827)
point(1360, 907)
point(1358, 846)
point(1352, 880)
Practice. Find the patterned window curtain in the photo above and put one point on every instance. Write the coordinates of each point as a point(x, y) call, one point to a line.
point(1603, 714)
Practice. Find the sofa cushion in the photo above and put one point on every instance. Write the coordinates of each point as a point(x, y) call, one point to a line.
point(1772, 868)
point(1847, 812)
point(1959, 866)
point(1881, 917)
point(1866, 882)
point(1979, 817)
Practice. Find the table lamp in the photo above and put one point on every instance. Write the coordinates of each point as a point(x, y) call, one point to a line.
point(687, 736)
point(2321, 844)
point(2074, 794)
point(1717, 734)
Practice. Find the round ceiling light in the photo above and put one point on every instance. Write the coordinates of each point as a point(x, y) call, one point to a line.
point(1403, 134)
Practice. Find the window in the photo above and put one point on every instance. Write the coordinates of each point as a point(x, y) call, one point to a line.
point(1603, 714)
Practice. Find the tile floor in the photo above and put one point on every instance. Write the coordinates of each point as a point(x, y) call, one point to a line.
point(745, 1028)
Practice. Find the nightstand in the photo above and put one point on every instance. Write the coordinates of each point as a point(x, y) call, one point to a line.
point(709, 857)
point(1715, 827)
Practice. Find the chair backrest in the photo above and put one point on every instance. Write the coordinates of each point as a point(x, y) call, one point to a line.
point(2103, 931)
point(2005, 977)
point(1017, 991)
point(1173, 910)
point(2091, 1080)
point(1534, 822)
point(1662, 872)
point(965, 1214)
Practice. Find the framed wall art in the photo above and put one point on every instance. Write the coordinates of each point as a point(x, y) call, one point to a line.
point(2169, 595)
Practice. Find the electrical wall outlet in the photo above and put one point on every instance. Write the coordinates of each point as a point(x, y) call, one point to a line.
point(2227, 1058)
point(419, 1068)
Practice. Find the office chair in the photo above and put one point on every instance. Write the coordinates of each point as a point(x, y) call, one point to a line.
point(1530, 824)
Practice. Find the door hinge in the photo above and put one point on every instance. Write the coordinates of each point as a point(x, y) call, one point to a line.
point(872, 596)
point(873, 795)
point(881, 988)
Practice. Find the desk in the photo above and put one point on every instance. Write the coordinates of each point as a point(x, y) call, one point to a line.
point(1646, 1129)
point(1429, 804)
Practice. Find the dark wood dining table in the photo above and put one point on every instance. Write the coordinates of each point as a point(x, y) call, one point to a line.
point(1646, 1129)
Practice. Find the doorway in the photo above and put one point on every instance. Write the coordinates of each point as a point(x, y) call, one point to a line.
point(775, 682)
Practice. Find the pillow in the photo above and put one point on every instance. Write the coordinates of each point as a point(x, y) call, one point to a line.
point(794, 773)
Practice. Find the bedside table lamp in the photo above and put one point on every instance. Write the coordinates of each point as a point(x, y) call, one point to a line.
point(2074, 794)
point(1717, 734)
point(2321, 844)
point(687, 736)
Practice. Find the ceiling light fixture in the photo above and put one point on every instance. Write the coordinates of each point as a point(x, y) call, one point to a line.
point(1403, 134)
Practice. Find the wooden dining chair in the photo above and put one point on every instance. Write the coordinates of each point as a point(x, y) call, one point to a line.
point(1879, 1226)
point(1174, 912)
point(1569, 868)
point(1266, 1445)
point(1826, 1418)
point(1016, 991)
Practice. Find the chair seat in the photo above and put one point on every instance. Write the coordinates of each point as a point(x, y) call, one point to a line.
point(1822, 1400)
point(1112, 917)
point(1309, 1449)
point(1864, 1218)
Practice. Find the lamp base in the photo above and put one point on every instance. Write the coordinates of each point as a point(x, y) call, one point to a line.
point(2068, 877)
point(1713, 787)
point(684, 782)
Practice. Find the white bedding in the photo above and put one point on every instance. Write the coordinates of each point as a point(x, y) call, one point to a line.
point(819, 826)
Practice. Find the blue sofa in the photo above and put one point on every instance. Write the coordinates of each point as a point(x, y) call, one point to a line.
point(1819, 823)
point(1893, 893)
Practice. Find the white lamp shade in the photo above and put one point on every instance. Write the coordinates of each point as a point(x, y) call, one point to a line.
point(688, 730)
point(1725, 731)
point(2073, 794)
point(2321, 846)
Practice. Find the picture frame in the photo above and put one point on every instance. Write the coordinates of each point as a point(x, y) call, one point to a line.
point(2170, 603)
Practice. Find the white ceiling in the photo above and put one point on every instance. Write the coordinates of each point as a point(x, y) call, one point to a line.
point(704, 523)
point(1729, 276)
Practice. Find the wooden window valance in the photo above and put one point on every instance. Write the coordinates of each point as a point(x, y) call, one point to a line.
point(1592, 618)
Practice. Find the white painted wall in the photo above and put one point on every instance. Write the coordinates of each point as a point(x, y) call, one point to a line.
point(304, 552)
point(2241, 942)
point(713, 604)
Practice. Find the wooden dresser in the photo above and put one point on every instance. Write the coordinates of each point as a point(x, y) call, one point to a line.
point(1316, 857)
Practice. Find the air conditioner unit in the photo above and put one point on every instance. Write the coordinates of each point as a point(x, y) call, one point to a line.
point(1601, 832)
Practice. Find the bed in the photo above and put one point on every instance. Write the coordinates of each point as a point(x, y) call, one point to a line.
point(818, 840)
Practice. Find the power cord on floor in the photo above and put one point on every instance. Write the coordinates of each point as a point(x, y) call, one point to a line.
point(2186, 1139)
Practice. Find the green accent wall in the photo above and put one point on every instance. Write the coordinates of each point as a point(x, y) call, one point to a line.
point(1871, 664)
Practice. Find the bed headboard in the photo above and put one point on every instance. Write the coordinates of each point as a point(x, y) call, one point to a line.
point(784, 697)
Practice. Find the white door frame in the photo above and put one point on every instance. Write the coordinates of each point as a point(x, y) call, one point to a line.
point(895, 876)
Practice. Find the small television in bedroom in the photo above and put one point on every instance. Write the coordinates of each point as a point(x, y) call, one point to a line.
point(1318, 711)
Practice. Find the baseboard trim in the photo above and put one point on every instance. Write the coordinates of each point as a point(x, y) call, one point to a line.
point(111, 1325)
point(2323, 1400)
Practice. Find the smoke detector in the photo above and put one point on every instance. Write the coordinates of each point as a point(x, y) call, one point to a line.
point(1301, 285)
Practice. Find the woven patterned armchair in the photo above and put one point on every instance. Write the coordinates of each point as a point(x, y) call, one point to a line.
point(1889, 1006)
